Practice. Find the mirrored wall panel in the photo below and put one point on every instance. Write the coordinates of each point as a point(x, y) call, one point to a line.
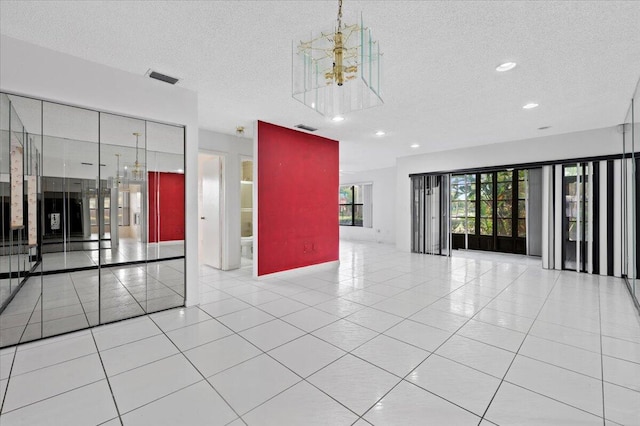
point(631, 198)
point(21, 191)
point(93, 218)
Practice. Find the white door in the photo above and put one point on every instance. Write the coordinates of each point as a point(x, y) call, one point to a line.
point(210, 172)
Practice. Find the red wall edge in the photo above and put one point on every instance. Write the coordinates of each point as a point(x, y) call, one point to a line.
point(297, 199)
point(166, 206)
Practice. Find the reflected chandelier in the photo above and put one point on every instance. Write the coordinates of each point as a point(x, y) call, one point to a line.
point(137, 172)
point(336, 72)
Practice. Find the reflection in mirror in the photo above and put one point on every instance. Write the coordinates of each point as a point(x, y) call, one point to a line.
point(70, 173)
point(631, 227)
point(92, 218)
point(70, 237)
point(631, 138)
point(635, 132)
point(123, 185)
point(165, 159)
point(122, 211)
point(20, 169)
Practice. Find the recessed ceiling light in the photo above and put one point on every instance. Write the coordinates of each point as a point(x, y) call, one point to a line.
point(415, 145)
point(380, 133)
point(506, 66)
point(530, 106)
point(338, 118)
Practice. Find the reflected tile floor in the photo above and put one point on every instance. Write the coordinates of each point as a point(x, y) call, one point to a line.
point(71, 299)
point(386, 338)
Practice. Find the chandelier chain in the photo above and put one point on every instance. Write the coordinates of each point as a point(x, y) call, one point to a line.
point(339, 14)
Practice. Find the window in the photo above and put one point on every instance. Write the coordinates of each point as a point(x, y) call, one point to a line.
point(504, 205)
point(351, 205)
point(523, 178)
point(355, 205)
point(486, 204)
point(463, 204)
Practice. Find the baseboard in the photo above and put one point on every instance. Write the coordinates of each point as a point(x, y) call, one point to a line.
point(326, 266)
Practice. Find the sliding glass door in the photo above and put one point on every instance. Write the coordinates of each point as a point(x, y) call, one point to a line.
point(430, 214)
point(489, 211)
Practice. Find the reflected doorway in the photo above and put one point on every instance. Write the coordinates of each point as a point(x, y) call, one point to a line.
point(130, 226)
point(210, 209)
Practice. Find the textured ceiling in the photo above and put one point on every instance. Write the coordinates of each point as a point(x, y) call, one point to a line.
point(579, 60)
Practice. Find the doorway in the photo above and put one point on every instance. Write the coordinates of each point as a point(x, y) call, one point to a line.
point(210, 209)
point(246, 211)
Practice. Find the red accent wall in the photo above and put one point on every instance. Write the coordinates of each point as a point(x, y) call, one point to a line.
point(297, 199)
point(166, 206)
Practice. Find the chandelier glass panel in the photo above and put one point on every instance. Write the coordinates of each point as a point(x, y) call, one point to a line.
point(338, 71)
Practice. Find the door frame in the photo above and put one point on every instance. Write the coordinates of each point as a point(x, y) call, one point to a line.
point(221, 207)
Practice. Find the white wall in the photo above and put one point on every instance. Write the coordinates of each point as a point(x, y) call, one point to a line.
point(384, 185)
point(571, 145)
point(30, 70)
point(232, 148)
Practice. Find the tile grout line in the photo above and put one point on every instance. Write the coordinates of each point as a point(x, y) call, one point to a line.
point(38, 300)
point(408, 318)
point(519, 347)
point(551, 398)
point(302, 379)
point(106, 376)
point(438, 347)
point(604, 421)
point(84, 311)
point(51, 365)
point(196, 368)
point(6, 389)
point(53, 396)
point(126, 288)
point(364, 306)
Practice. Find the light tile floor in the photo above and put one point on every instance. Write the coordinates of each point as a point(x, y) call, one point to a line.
point(388, 338)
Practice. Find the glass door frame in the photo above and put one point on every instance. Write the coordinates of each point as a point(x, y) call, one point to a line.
point(426, 208)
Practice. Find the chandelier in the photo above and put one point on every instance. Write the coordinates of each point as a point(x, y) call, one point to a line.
point(336, 72)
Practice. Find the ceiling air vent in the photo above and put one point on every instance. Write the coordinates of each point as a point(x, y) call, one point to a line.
point(162, 77)
point(305, 127)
